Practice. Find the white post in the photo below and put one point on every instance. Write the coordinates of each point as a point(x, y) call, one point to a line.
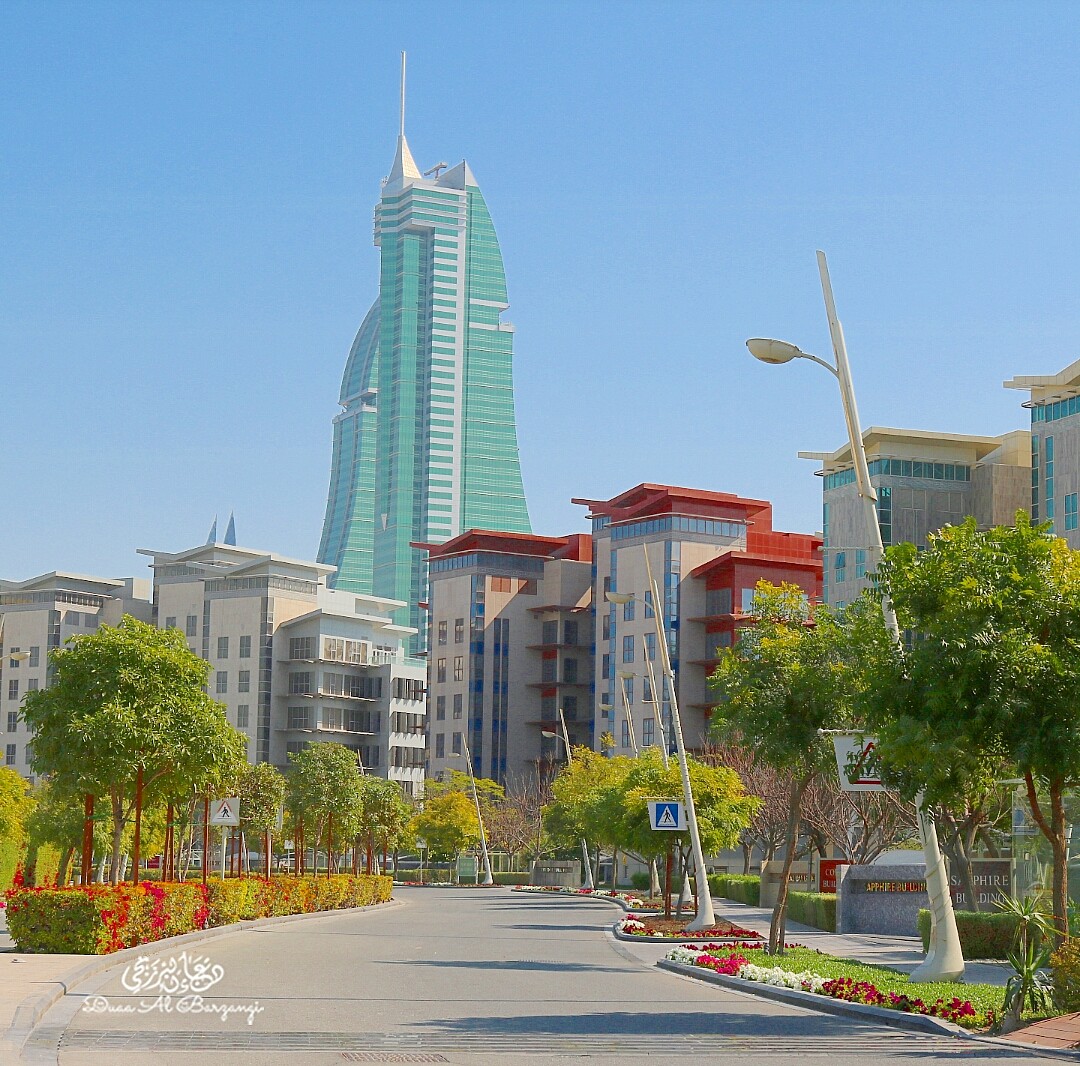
point(488, 879)
point(587, 877)
point(705, 919)
point(945, 958)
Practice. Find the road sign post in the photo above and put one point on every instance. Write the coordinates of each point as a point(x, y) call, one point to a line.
point(667, 815)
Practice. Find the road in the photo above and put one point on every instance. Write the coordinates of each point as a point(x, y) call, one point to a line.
point(459, 976)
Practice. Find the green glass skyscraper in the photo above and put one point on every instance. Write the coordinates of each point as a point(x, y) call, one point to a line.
point(425, 446)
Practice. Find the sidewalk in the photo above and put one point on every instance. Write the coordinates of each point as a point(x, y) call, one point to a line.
point(899, 952)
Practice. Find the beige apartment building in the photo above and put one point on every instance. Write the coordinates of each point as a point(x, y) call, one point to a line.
point(39, 614)
point(294, 661)
point(511, 643)
point(924, 481)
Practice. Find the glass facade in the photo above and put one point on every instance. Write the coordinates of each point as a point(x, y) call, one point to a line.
point(426, 444)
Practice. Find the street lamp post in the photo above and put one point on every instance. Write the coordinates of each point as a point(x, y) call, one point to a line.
point(705, 918)
point(488, 879)
point(587, 877)
point(944, 960)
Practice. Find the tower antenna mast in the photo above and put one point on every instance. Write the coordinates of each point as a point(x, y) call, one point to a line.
point(402, 94)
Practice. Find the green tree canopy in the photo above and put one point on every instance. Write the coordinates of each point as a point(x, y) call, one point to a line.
point(325, 781)
point(126, 699)
point(447, 824)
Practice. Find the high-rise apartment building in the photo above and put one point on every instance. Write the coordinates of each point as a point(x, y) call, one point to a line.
point(39, 615)
point(923, 481)
point(706, 551)
point(511, 643)
point(296, 662)
point(1054, 402)
point(425, 446)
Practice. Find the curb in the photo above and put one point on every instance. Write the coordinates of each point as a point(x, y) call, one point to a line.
point(581, 895)
point(726, 941)
point(925, 1023)
point(30, 1011)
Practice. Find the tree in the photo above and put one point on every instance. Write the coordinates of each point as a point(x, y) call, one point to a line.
point(783, 682)
point(326, 790)
point(993, 676)
point(262, 791)
point(447, 823)
point(860, 825)
point(15, 806)
point(388, 815)
point(127, 717)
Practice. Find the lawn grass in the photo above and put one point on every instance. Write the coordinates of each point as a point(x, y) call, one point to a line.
point(984, 998)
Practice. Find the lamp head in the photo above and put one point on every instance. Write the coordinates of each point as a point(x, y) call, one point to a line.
point(549, 734)
point(618, 597)
point(772, 351)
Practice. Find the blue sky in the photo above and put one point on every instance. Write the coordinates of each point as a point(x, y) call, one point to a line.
point(186, 194)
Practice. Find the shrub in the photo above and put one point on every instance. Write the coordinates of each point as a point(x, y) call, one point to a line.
point(817, 909)
point(982, 936)
point(519, 878)
point(1065, 966)
point(10, 853)
point(739, 887)
point(103, 918)
point(641, 881)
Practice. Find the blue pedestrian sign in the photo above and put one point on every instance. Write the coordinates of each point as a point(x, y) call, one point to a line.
point(667, 814)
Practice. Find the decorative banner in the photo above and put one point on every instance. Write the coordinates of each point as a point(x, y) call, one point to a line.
point(857, 763)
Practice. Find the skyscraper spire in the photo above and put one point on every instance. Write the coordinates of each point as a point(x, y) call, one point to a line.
point(404, 167)
point(211, 537)
point(230, 533)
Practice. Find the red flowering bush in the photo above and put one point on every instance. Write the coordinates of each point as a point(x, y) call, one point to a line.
point(104, 918)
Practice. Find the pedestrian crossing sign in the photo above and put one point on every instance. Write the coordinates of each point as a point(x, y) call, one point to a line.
point(667, 814)
point(225, 811)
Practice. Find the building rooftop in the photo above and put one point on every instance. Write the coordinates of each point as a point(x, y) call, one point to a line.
point(576, 547)
point(1048, 387)
point(648, 500)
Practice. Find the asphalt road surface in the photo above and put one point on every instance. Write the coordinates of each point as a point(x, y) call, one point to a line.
point(455, 976)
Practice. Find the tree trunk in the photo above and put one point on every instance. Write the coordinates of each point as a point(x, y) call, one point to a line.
point(117, 837)
point(86, 872)
point(747, 854)
point(779, 915)
point(136, 851)
point(1054, 831)
point(62, 872)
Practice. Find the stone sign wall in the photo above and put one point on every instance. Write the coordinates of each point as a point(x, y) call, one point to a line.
point(880, 899)
point(800, 879)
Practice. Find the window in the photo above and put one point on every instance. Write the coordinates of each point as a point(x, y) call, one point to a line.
point(442, 631)
point(501, 584)
point(456, 744)
point(840, 567)
point(649, 613)
point(628, 688)
point(440, 745)
point(746, 600)
point(628, 649)
point(15, 663)
point(243, 681)
point(170, 621)
point(35, 656)
point(245, 647)
point(860, 562)
point(294, 747)
point(459, 630)
point(13, 721)
point(605, 626)
point(459, 667)
point(569, 708)
point(628, 611)
point(222, 682)
point(1070, 510)
point(300, 683)
point(242, 715)
point(332, 718)
point(570, 632)
point(13, 689)
point(31, 684)
point(650, 646)
point(191, 629)
point(440, 708)
point(570, 671)
point(301, 647)
point(222, 647)
point(646, 690)
point(648, 732)
point(457, 704)
point(440, 670)
point(408, 688)
point(299, 718)
point(625, 733)
point(549, 633)
point(605, 666)
point(9, 755)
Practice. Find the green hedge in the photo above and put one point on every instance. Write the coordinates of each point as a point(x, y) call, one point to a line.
point(10, 854)
point(739, 887)
point(816, 909)
point(102, 918)
point(982, 936)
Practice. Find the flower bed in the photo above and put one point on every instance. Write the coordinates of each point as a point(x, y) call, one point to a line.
point(674, 929)
point(626, 897)
point(965, 1005)
point(104, 918)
